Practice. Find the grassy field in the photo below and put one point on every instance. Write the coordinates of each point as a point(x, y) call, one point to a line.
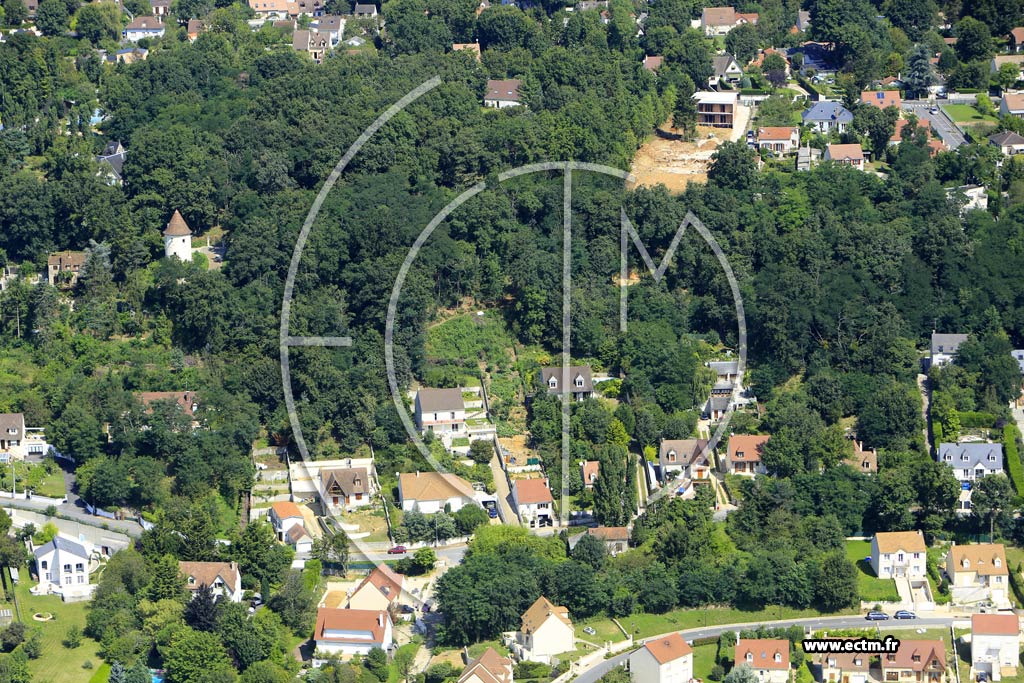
point(870, 587)
point(57, 663)
point(965, 113)
point(646, 625)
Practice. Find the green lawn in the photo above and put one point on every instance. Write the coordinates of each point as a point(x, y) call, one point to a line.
point(870, 587)
point(393, 674)
point(646, 625)
point(965, 113)
point(703, 661)
point(57, 663)
point(46, 479)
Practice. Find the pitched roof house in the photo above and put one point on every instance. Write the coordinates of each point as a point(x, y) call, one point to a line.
point(969, 462)
point(883, 99)
point(863, 460)
point(663, 660)
point(473, 48)
point(1015, 39)
point(70, 262)
point(743, 455)
point(111, 162)
point(995, 644)
point(534, 503)
point(944, 347)
point(616, 538)
point(489, 667)
point(724, 69)
point(546, 631)
point(186, 401)
point(285, 515)
point(381, 588)
point(581, 381)
point(717, 21)
point(441, 411)
point(430, 492)
point(589, 471)
point(503, 93)
point(1008, 142)
point(351, 631)
point(778, 139)
point(313, 43)
point(684, 455)
point(916, 660)
point(768, 657)
point(842, 667)
point(223, 577)
point(653, 62)
point(63, 564)
point(143, 27)
point(978, 572)
point(345, 489)
point(827, 116)
point(848, 155)
point(899, 554)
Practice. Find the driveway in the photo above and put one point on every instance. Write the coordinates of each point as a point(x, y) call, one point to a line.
point(940, 122)
point(502, 493)
point(922, 386)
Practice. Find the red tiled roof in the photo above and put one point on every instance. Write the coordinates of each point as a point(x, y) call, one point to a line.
point(358, 620)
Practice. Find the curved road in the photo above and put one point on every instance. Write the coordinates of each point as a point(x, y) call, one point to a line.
point(848, 621)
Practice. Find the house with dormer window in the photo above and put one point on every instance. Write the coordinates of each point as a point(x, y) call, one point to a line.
point(920, 661)
point(686, 456)
point(344, 489)
point(843, 667)
point(580, 385)
point(223, 578)
point(767, 657)
point(743, 455)
point(978, 572)
point(970, 462)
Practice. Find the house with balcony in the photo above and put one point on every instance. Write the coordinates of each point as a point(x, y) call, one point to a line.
point(716, 109)
point(970, 462)
point(62, 566)
point(899, 554)
point(440, 411)
point(662, 660)
point(767, 657)
point(977, 573)
point(995, 644)
point(916, 661)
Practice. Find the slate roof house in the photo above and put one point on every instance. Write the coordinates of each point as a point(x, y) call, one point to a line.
point(63, 568)
point(343, 490)
point(684, 456)
point(440, 411)
point(1008, 142)
point(971, 461)
point(111, 163)
point(581, 381)
point(827, 116)
point(724, 69)
point(944, 346)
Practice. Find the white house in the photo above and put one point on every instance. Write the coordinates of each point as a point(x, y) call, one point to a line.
point(724, 69)
point(778, 139)
point(899, 554)
point(489, 667)
point(664, 660)
point(17, 440)
point(970, 461)
point(284, 515)
point(944, 347)
point(143, 27)
point(440, 411)
point(533, 501)
point(178, 238)
point(63, 568)
point(546, 631)
point(345, 489)
point(502, 94)
point(298, 538)
point(995, 644)
point(686, 456)
point(978, 572)
point(768, 657)
point(430, 492)
point(223, 578)
point(351, 631)
point(743, 454)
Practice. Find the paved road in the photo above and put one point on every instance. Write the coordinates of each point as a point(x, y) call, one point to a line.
point(851, 621)
point(502, 493)
point(922, 386)
point(941, 122)
point(377, 552)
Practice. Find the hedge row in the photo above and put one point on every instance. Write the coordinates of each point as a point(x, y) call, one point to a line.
point(1011, 455)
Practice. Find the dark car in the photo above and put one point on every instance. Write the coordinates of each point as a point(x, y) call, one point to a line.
point(492, 512)
point(876, 616)
point(904, 614)
point(397, 550)
point(982, 677)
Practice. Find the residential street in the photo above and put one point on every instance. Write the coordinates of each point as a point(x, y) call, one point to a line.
point(849, 621)
point(941, 122)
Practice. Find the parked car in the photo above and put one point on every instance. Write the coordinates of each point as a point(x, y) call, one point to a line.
point(492, 512)
point(589, 630)
point(904, 614)
point(874, 615)
point(933, 110)
point(982, 677)
point(397, 550)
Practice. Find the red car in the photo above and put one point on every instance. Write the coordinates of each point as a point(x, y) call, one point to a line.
point(397, 550)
